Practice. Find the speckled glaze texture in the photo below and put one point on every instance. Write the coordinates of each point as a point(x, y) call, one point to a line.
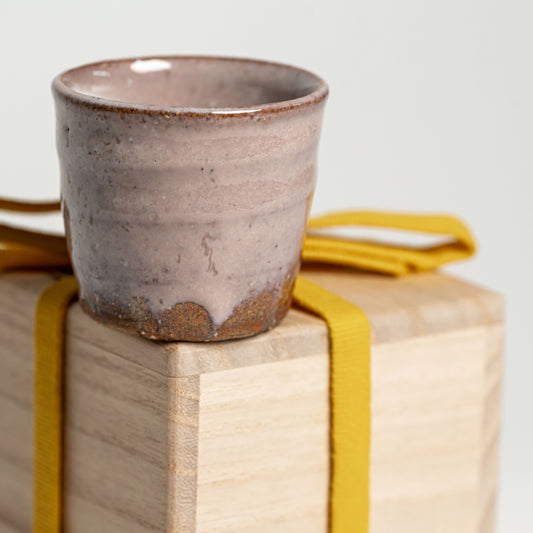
point(186, 185)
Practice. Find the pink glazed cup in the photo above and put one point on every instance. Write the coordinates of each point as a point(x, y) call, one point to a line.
point(186, 185)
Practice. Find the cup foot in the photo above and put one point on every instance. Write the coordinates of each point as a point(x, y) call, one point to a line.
point(189, 321)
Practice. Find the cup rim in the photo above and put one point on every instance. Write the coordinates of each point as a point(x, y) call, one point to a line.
point(318, 95)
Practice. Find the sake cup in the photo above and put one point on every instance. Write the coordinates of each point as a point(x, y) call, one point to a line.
point(186, 184)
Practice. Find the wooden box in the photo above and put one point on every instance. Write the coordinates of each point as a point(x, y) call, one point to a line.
point(233, 436)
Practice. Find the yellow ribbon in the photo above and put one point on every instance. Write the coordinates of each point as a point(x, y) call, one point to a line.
point(48, 403)
point(349, 334)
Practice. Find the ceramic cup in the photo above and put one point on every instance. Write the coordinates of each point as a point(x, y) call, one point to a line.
point(186, 184)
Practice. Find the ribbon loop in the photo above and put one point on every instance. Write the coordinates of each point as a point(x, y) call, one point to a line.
point(29, 207)
point(22, 249)
point(386, 258)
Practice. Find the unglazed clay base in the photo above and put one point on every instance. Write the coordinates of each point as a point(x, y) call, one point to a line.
point(192, 322)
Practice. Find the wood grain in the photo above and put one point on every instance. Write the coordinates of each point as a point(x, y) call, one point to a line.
point(428, 440)
point(233, 436)
point(183, 412)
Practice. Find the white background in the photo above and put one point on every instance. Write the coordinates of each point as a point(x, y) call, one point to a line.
point(430, 110)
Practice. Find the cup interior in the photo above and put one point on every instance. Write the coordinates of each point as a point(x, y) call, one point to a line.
point(192, 82)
